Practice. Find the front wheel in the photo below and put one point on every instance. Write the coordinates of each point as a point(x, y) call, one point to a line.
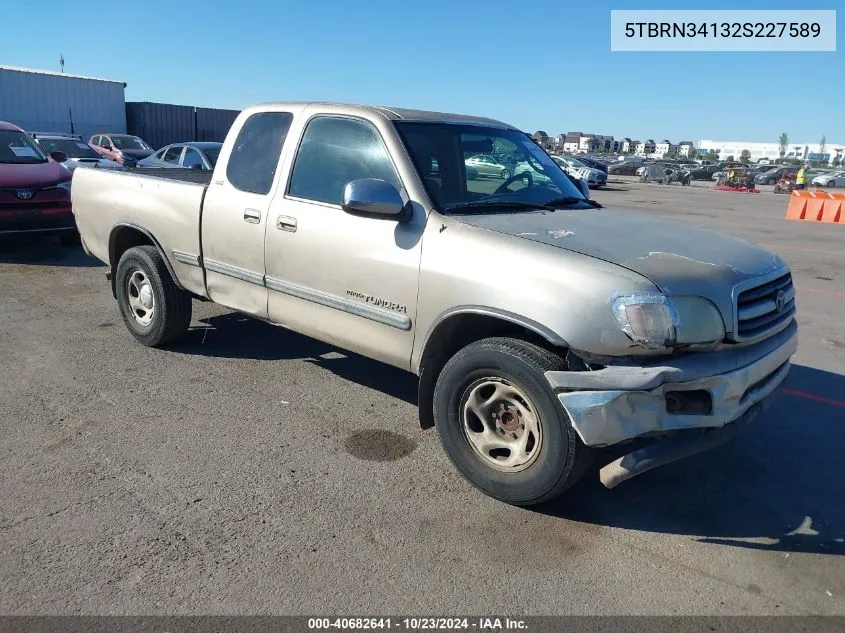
point(154, 309)
point(503, 427)
point(505, 174)
point(831, 184)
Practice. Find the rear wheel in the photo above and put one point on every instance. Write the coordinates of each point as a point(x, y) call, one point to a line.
point(831, 184)
point(506, 173)
point(154, 309)
point(503, 427)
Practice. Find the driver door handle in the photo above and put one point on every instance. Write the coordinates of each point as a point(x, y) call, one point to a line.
point(253, 216)
point(286, 223)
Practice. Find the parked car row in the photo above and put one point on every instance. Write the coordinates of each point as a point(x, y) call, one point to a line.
point(36, 170)
point(34, 187)
point(77, 152)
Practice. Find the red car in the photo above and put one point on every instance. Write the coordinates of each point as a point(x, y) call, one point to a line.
point(34, 188)
point(121, 148)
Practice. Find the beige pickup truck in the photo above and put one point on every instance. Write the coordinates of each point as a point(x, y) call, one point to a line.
point(541, 325)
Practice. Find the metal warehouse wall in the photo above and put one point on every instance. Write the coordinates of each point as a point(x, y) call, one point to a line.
point(213, 125)
point(162, 123)
point(41, 101)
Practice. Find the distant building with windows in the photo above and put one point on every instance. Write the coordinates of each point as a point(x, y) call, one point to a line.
point(664, 147)
point(646, 148)
point(684, 148)
point(771, 151)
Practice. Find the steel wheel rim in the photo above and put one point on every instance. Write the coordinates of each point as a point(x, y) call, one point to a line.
point(500, 424)
point(141, 298)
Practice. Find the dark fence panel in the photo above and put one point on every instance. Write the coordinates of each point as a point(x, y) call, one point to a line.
point(162, 123)
point(213, 124)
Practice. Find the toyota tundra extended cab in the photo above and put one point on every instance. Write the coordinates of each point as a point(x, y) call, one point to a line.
point(541, 325)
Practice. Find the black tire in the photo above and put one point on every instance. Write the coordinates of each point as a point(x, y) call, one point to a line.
point(562, 457)
point(831, 184)
point(70, 239)
point(172, 306)
point(506, 173)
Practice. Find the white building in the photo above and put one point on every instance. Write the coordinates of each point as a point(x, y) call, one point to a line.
point(771, 151)
point(646, 148)
point(626, 145)
point(664, 147)
point(684, 148)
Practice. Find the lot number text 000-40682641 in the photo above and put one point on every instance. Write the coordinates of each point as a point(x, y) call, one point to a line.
point(723, 30)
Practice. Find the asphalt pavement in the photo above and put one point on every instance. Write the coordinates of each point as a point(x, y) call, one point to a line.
point(252, 470)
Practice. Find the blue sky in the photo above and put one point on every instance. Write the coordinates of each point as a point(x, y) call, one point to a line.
point(542, 64)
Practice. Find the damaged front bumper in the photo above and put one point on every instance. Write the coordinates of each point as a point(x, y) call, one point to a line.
point(699, 391)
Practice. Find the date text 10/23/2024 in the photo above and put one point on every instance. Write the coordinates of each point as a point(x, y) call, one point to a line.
point(481, 624)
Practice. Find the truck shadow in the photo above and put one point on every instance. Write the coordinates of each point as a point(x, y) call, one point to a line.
point(43, 251)
point(778, 486)
point(236, 336)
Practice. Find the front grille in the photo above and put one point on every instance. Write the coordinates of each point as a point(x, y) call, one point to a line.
point(758, 311)
point(35, 207)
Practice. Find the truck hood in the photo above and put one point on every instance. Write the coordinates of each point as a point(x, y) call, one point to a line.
point(679, 258)
point(33, 175)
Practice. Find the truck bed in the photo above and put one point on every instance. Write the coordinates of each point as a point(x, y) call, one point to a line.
point(167, 203)
point(197, 176)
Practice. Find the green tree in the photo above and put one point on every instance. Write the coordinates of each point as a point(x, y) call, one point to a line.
point(692, 153)
point(783, 144)
point(745, 157)
point(730, 158)
point(712, 155)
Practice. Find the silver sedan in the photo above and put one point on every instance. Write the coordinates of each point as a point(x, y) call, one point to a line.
point(830, 179)
point(199, 155)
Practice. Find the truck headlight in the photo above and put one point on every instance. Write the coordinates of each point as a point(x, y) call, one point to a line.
point(701, 321)
point(648, 318)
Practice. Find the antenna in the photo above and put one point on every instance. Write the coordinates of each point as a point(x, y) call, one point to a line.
point(62, 62)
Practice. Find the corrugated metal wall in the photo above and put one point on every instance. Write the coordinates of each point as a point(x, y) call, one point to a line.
point(213, 125)
point(50, 102)
point(160, 124)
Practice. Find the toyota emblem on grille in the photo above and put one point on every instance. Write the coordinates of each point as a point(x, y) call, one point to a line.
point(780, 301)
point(24, 194)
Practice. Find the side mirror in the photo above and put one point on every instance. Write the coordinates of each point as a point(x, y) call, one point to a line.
point(373, 197)
point(584, 188)
point(59, 157)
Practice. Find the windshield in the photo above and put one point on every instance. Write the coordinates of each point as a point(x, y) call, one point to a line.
point(128, 142)
point(18, 148)
point(574, 162)
point(211, 153)
point(72, 147)
point(446, 156)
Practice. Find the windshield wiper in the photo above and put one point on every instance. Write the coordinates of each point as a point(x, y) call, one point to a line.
point(498, 204)
point(551, 205)
point(565, 202)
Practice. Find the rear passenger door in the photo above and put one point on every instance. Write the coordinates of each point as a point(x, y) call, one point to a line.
point(172, 156)
point(235, 213)
point(344, 279)
point(192, 159)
